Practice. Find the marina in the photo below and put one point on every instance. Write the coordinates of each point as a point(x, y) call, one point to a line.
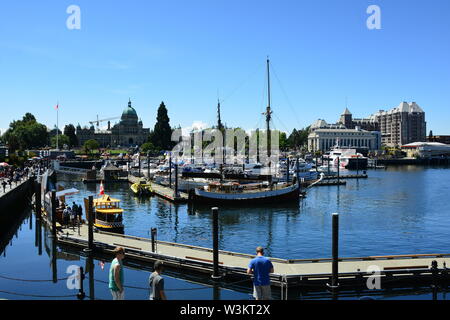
point(306, 273)
point(190, 158)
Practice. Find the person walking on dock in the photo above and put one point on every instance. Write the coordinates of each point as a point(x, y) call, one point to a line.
point(156, 282)
point(80, 213)
point(116, 275)
point(261, 267)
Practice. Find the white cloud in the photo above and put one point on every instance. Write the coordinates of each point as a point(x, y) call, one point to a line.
point(196, 126)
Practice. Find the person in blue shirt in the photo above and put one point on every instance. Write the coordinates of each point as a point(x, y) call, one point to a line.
point(261, 268)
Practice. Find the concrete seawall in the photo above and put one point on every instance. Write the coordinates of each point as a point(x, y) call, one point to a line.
point(13, 202)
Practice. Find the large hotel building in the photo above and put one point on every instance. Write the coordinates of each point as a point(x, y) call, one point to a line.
point(394, 128)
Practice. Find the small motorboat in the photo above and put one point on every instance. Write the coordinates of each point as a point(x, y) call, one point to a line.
point(142, 188)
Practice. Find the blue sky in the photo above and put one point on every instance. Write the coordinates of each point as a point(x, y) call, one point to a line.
point(185, 53)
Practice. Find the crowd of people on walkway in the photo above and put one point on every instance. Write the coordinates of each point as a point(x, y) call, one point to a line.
point(260, 268)
point(10, 176)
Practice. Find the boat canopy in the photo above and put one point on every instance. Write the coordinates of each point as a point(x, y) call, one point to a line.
point(104, 200)
point(67, 192)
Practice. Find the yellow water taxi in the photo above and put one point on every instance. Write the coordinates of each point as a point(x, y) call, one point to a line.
point(142, 188)
point(108, 214)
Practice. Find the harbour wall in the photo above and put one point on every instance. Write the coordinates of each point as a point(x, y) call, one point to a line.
point(13, 202)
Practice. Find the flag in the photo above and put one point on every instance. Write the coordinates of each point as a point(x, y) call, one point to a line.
point(57, 107)
point(102, 190)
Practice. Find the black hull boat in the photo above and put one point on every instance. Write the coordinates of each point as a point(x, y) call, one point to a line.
point(266, 195)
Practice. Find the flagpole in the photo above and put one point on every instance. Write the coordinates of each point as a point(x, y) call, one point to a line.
point(57, 125)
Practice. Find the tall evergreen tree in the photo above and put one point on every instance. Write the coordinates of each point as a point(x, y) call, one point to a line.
point(69, 131)
point(162, 133)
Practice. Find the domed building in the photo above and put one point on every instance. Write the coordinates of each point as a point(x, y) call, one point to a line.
point(129, 132)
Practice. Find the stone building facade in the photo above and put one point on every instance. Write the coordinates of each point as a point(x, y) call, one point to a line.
point(129, 132)
point(326, 137)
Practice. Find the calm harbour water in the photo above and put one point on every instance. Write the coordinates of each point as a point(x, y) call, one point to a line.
point(402, 210)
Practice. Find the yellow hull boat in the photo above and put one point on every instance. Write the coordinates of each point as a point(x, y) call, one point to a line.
point(142, 188)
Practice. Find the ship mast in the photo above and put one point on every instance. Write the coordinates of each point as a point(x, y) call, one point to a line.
point(220, 128)
point(219, 122)
point(268, 112)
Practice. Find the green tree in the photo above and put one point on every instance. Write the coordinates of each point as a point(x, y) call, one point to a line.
point(149, 147)
point(62, 140)
point(70, 132)
point(162, 133)
point(298, 138)
point(25, 134)
point(283, 141)
point(90, 145)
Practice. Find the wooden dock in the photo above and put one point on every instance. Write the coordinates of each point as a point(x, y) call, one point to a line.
point(330, 183)
point(163, 192)
point(347, 176)
point(302, 273)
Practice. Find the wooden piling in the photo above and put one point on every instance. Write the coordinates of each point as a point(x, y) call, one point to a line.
point(287, 170)
point(38, 200)
point(53, 214)
point(215, 216)
point(175, 193)
point(81, 295)
point(139, 158)
point(335, 252)
point(91, 218)
point(153, 232)
point(148, 165)
point(338, 168)
point(170, 171)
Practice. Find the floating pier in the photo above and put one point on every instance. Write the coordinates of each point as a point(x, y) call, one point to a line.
point(163, 192)
point(330, 183)
point(347, 176)
point(299, 273)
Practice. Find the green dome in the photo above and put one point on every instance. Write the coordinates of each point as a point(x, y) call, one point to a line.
point(129, 112)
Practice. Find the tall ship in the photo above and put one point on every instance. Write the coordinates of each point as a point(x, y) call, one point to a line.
point(251, 193)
